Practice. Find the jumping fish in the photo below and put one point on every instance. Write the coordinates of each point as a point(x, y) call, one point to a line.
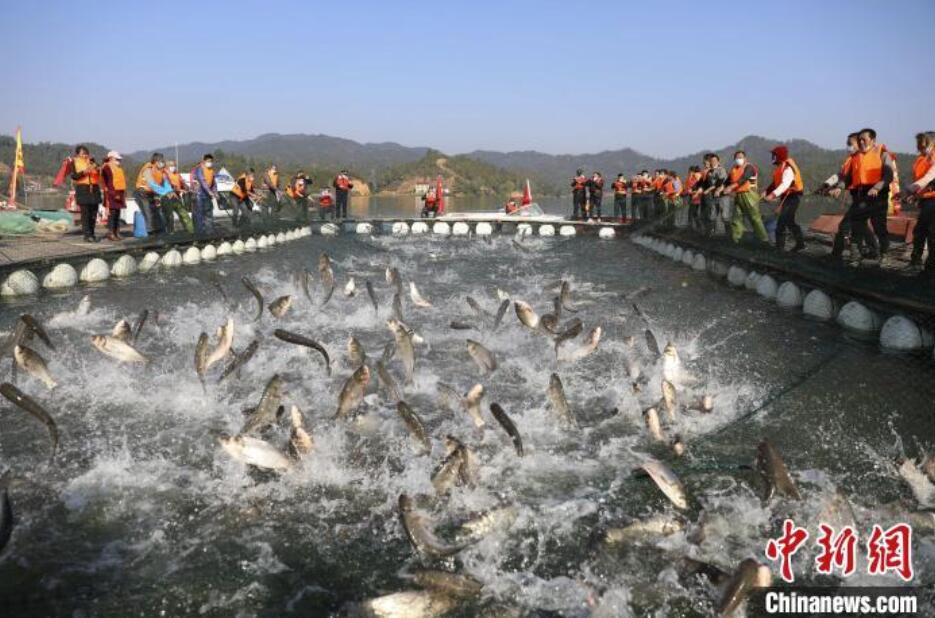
point(773, 469)
point(389, 351)
point(139, 324)
point(417, 299)
point(407, 604)
point(665, 479)
point(356, 356)
point(749, 576)
point(33, 364)
point(922, 488)
point(297, 339)
point(565, 296)
point(652, 344)
point(350, 289)
point(501, 311)
point(404, 347)
point(36, 328)
point(393, 278)
point(266, 412)
point(300, 442)
point(476, 528)
point(637, 292)
point(670, 362)
point(389, 384)
point(448, 474)
point(225, 337)
point(475, 306)
point(304, 277)
point(586, 349)
point(668, 398)
point(526, 315)
point(84, 306)
point(651, 418)
point(508, 426)
point(458, 325)
point(28, 404)
point(483, 357)
point(571, 331)
point(201, 358)
point(216, 282)
point(118, 349)
point(256, 294)
point(420, 532)
point(471, 404)
point(556, 393)
point(327, 276)
point(448, 397)
point(280, 306)
point(677, 446)
point(549, 323)
point(414, 425)
point(640, 530)
point(353, 391)
point(398, 306)
point(240, 360)
point(372, 295)
point(122, 331)
point(457, 585)
point(255, 452)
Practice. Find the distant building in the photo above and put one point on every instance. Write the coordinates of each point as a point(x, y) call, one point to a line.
point(421, 187)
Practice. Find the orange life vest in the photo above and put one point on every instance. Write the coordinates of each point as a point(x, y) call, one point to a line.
point(920, 168)
point(736, 172)
point(93, 176)
point(867, 167)
point(158, 177)
point(325, 200)
point(668, 188)
point(118, 178)
point(294, 190)
point(580, 182)
point(797, 185)
point(175, 179)
point(620, 187)
point(208, 173)
point(238, 191)
point(636, 185)
point(657, 184)
point(342, 182)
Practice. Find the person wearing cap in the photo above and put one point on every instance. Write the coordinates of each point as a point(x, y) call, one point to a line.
point(342, 186)
point(85, 176)
point(578, 194)
point(115, 192)
point(206, 191)
point(620, 197)
point(787, 187)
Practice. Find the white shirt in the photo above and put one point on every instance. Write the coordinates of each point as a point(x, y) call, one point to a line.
point(788, 177)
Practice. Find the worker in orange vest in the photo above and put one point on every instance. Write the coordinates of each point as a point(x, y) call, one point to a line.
point(578, 194)
point(298, 190)
point(86, 178)
point(742, 184)
point(694, 197)
point(182, 203)
point(243, 196)
point(620, 197)
point(342, 186)
point(595, 194)
point(271, 182)
point(922, 190)
point(114, 181)
point(325, 204)
point(152, 185)
point(429, 204)
point(205, 187)
point(787, 187)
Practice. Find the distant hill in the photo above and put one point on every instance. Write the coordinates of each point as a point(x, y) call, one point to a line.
point(462, 176)
point(42, 159)
point(303, 151)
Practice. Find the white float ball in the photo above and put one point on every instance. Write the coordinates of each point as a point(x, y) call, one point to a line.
point(789, 295)
point(124, 266)
point(766, 287)
point(22, 283)
point(61, 276)
point(900, 334)
point(95, 270)
point(857, 317)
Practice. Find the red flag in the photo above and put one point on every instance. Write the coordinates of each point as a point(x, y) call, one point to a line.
point(527, 194)
point(62, 171)
point(440, 192)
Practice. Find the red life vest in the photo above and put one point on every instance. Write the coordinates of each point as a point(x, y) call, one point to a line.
point(342, 182)
point(580, 182)
point(325, 200)
point(867, 167)
point(620, 187)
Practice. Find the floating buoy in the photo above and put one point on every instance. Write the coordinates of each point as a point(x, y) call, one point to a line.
point(460, 228)
point(209, 253)
point(819, 306)
point(400, 228)
point(224, 248)
point(289, 236)
point(191, 256)
point(23, 283)
point(280, 238)
point(441, 228)
point(856, 317)
point(364, 228)
point(171, 259)
point(789, 295)
point(524, 229)
point(607, 233)
point(717, 268)
point(752, 279)
point(567, 230)
point(262, 243)
point(329, 229)
point(419, 227)
point(483, 229)
point(900, 334)
point(699, 263)
point(688, 257)
point(61, 276)
point(149, 262)
point(271, 240)
point(676, 254)
point(95, 270)
point(124, 266)
point(250, 245)
point(766, 287)
point(239, 247)
point(546, 230)
point(736, 276)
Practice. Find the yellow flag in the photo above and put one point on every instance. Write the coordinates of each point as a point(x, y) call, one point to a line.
point(18, 163)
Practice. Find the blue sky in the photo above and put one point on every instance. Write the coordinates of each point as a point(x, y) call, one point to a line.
point(664, 78)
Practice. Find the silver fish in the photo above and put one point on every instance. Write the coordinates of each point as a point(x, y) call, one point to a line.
point(266, 411)
point(389, 384)
point(652, 344)
point(353, 391)
point(417, 298)
point(350, 290)
point(641, 530)
point(665, 479)
point(586, 349)
point(749, 576)
point(407, 604)
point(526, 315)
point(393, 278)
point(201, 358)
point(280, 306)
point(255, 452)
point(651, 418)
point(565, 296)
point(33, 364)
point(414, 425)
point(122, 331)
point(480, 311)
point(404, 347)
point(508, 425)
point(556, 393)
point(84, 306)
point(398, 306)
point(773, 469)
point(300, 442)
point(139, 324)
point(476, 528)
point(225, 338)
point(327, 276)
point(420, 531)
point(240, 360)
point(669, 399)
point(256, 294)
point(118, 349)
point(459, 325)
point(501, 311)
point(29, 405)
point(471, 404)
point(483, 357)
point(304, 277)
point(297, 339)
point(356, 356)
point(372, 295)
point(458, 585)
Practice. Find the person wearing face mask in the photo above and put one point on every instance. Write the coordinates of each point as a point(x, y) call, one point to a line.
point(152, 184)
point(85, 176)
point(243, 196)
point(596, 194)
point(830, 188)
point(342, 186)
point(868, 179)
point(787, 187)
point(713, 205)
point(741, 185)
point(922, 192)
point(299, 190)
point(115, 192)
point(206, 190)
